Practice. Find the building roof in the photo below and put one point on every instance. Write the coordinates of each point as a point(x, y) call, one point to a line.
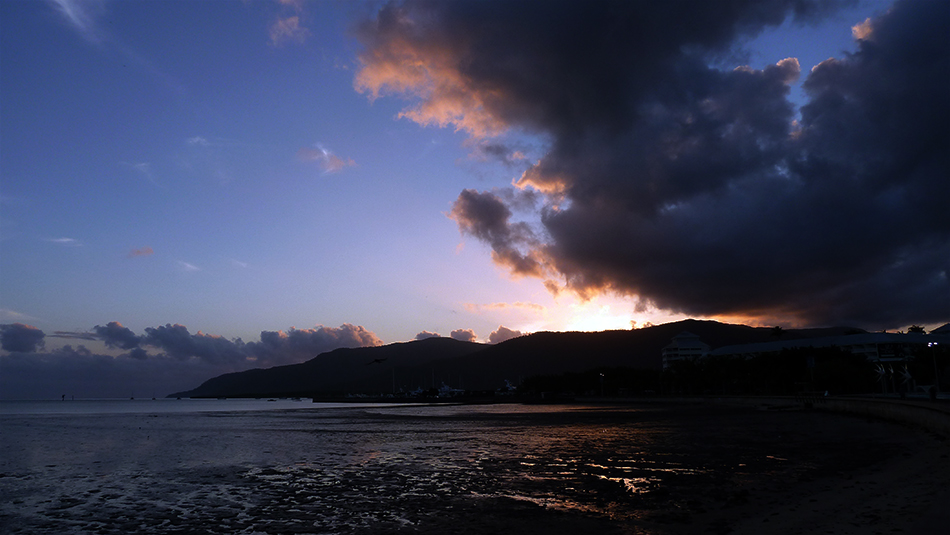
point(686, 340)
point(943, 329)
point(847, 340)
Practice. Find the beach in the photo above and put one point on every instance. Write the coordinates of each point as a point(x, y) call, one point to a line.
point(306, 468)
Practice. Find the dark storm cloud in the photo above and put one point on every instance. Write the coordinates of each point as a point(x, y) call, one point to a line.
point(688, 185)
point(488, 218)
point(182, 360)
point(464, 335)
point(509, 156)
point(20, 337)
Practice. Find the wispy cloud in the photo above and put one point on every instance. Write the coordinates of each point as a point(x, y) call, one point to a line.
point(288, 27)
point(188, 267)
point(66, 242)
point(142, 169)
point(475, 307)
point(74, 335)
point(7, 314)
point(216, 157)
point(295, 4)
point(144, 251)
point(82, 16)
point(331, 163)
point(214, 141)
point(238, 263)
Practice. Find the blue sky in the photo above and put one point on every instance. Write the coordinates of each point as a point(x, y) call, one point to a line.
point(212, 164)
point(155, 128)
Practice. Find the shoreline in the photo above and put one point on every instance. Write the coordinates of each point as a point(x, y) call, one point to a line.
point(930, 415)
point(702, 468)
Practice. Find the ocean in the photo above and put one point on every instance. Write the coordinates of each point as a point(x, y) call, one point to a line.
point(284, 466)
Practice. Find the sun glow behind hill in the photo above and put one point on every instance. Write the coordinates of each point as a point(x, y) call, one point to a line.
point(413, 168)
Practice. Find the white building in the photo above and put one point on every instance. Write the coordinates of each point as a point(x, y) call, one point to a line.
point(875, 347)
point(685, 346)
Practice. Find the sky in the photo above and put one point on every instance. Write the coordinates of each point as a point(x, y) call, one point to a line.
point(191, 188)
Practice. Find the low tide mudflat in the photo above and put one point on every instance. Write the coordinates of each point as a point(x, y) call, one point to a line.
point(308, 468)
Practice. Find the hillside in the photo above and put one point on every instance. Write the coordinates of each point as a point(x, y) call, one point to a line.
point(422, 364)
point(365, 369)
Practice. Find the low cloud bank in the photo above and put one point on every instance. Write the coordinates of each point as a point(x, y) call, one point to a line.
point(464, 335)
point(426, 334)
point(164, 359)
point(20, 337)
point(502, 334)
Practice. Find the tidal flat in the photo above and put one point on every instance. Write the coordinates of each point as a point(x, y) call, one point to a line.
point(503, 468)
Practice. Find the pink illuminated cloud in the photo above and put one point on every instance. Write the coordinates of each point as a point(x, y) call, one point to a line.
point(144, 251)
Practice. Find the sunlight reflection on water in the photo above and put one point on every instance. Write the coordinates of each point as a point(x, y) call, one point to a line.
point(338, 469)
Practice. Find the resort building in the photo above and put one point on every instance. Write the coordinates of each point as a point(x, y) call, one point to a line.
point(685, 346)
point(876, 347)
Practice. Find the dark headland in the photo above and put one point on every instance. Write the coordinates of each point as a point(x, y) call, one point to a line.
point(613, 363)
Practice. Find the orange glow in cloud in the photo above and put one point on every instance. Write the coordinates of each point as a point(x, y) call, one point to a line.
point(529, 264)
point(862, 31)
point(541, 180)
point(431, 76)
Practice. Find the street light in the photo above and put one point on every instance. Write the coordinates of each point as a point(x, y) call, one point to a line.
point(933, 353)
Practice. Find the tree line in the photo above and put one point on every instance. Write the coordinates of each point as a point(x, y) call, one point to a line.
point(788, 372)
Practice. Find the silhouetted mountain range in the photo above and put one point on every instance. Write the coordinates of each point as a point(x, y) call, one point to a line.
point(434, 362)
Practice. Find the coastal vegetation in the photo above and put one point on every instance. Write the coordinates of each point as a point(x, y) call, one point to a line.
point(551, 365)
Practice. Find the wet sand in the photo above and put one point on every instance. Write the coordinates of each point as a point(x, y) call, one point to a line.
point(844, 475)
point(534, 470)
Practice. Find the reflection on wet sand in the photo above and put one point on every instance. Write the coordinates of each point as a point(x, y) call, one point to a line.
point(419, 469)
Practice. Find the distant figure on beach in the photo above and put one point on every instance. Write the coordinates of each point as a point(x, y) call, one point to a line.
point(64, 397)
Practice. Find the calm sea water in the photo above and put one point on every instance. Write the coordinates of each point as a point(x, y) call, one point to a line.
point(158, 406)
point(258, 466)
